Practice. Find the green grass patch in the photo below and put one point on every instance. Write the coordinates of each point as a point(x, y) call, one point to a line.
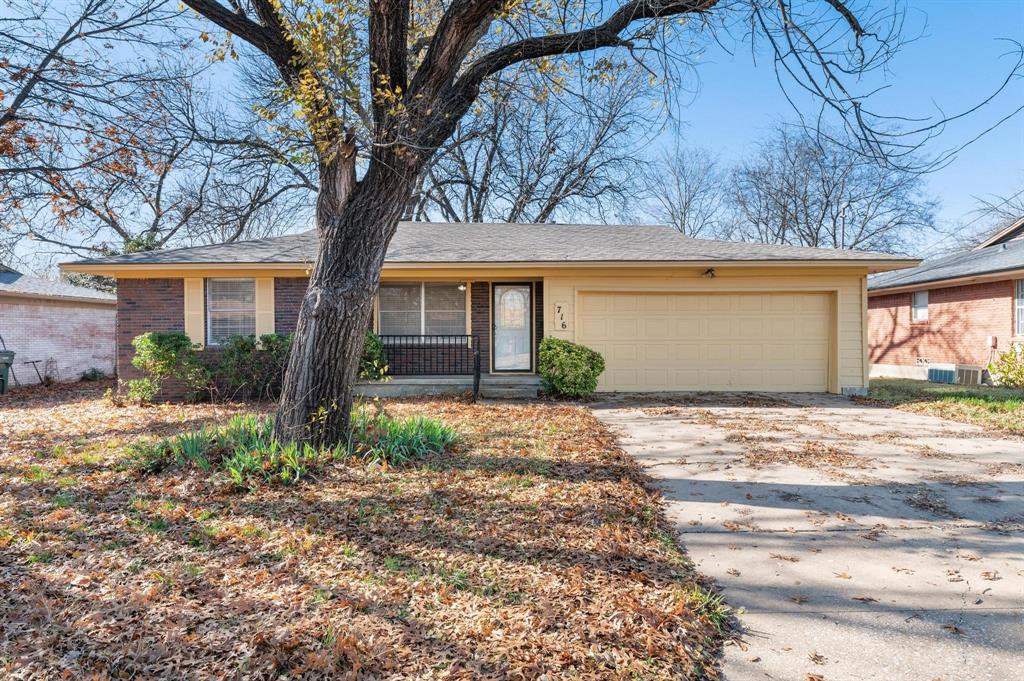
point(245, 452)
point(1001, 408)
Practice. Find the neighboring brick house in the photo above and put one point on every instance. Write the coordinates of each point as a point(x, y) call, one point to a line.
point(68, 329)
point(961, 309)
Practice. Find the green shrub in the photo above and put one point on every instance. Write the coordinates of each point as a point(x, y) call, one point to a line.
point(251, 368)
point(92, 374)
point(170, 354)
point(1008, 369)
point(568, 369)
point(141, 390)
point(380, 438)
point(372, 364)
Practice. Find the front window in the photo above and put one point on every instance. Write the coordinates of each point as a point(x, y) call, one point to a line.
point(1018, 308)
point(919, 307)
point(431, 309)
point(230, 309)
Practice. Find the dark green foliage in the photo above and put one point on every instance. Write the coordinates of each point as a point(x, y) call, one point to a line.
point(167, 355)
point(93, 374)
point(251, 368)
point(568, 369)
point(372, 365)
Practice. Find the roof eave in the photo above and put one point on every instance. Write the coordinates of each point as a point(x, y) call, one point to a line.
point(946, 282)
point(873, 265)
point(63, 298)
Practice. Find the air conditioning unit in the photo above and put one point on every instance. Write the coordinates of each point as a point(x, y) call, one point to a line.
point(967, 374)
point(942, 373)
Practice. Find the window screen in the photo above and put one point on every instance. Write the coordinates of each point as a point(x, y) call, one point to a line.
point(919, 307)
point(1018, 309)
point(399, 309)
point(230, 309)
point(444, 309)
point(422, 309)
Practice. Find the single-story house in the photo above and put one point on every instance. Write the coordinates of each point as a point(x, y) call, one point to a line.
point(60, 329)
point(961, 309)
point(667, 312)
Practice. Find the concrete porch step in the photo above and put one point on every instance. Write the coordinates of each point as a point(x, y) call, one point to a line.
point(503, 387)
point(510, 387)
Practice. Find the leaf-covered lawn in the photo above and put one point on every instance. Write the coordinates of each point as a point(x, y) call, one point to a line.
point(533, 548)
point(999, 408)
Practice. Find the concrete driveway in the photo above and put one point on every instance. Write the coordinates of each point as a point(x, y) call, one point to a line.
point(859, 542)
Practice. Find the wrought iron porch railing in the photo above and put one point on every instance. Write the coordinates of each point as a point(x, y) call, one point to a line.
point(437, 355)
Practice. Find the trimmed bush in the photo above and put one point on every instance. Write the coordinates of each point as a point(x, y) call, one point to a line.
point(251, 368)
point(372, 364)
point(1008, 369)
point(170, 354)
point(568, 369)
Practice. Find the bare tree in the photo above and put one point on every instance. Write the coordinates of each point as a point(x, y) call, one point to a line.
point(527, 155)
point(102, 153)
point(801, 190)
point(688, 190)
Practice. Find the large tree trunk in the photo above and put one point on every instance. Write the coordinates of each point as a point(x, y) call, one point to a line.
point(355, 224)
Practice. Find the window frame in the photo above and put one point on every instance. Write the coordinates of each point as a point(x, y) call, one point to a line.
point(916, 309)
point(1018, 308)
point(466, 306)
point(210, 342)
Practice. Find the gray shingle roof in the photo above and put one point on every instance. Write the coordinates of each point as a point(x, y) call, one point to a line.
point(12, 282)
point(434, 242)
point(994, 259)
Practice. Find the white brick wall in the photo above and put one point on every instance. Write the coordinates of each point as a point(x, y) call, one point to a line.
point(70, 337)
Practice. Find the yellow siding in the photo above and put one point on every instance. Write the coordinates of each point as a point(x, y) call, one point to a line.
point(195, 310)
point(264, 306)
point(563, 295)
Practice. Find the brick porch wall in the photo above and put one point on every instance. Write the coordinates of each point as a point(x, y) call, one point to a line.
point(288, 293)
point(146, 305)
point(480, 320)
point(68, 337)
point(960, 318)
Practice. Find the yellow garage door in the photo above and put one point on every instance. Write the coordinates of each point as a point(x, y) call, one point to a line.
point(770, 341)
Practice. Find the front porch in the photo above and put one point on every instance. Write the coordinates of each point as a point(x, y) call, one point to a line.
point(448, 337)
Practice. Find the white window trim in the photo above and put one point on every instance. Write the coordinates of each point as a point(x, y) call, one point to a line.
point(1018, 308)
point(206, 304)
point(915, 308)
point(423, 304)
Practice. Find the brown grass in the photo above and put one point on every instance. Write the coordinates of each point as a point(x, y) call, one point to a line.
point(535, 548)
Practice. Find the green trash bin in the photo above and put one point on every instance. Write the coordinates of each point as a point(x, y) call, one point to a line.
point(6, 360)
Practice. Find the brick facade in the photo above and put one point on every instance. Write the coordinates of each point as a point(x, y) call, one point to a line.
point(480, 320)
point(69, 337)
point(288, 293)
point(960, 318)
point(146, 305)
point(158, 305)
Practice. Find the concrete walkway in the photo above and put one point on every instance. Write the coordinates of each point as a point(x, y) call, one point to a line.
point(859, 542)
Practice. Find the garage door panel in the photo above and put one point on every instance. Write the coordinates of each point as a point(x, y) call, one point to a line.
point(745, 341)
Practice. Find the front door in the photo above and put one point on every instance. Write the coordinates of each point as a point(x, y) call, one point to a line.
point(513, 327)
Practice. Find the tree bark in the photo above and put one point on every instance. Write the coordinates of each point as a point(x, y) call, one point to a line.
point(355, 224)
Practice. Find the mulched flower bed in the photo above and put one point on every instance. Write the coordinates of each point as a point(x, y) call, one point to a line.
point(533, 548)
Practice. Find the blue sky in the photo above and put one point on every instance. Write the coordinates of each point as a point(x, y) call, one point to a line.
point(957, 62)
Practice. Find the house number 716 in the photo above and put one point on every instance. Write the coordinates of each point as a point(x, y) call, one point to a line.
point(561, 317)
